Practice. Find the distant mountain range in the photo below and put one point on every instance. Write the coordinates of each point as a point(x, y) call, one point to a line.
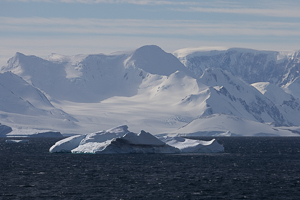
point(236, 92)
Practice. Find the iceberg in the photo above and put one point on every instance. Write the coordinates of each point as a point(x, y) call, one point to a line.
point(67, 144)
point(16, 141)
point(130, 143)
point(120, 140)
point(193, 146)
point(88, 140)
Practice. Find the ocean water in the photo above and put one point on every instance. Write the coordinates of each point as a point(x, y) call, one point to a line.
point(250, 168)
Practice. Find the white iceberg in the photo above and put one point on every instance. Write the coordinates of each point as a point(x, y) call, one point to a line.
point(120, 141)
point(67, 144)
point(130, 143)
point(103, 136)
point(193, 146)
point(88, 140)
point(16, 141)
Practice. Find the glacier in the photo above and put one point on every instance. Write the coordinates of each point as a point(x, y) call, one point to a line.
point(120, 140)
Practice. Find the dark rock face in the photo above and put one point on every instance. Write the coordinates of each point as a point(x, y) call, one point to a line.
point(4, 129)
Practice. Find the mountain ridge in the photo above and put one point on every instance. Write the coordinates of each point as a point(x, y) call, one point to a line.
point(248, 64)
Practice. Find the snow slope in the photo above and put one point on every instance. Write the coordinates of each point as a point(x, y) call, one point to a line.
point(22, 104)
point(235, 97)
point(228, 125)
point(293, 87)
point(288, 105)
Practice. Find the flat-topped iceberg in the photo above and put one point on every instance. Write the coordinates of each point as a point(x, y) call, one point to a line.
point(120, 141)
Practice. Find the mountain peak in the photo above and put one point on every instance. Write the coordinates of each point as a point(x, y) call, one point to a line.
point(154, 60)
point(18, 54)
point(13, 62)
point(17, 57)
point(149, 48)
point(22, 56)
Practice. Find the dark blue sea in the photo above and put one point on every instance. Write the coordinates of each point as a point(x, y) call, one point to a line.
point(250, 168)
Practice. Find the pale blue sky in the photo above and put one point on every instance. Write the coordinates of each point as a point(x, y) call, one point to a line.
point(42, 27)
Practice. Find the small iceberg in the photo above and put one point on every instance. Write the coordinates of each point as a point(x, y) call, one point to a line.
point(193, 146)
point(16, 141)
point(120, 140)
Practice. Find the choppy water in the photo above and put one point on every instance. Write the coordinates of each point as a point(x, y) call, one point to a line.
point(250, 168)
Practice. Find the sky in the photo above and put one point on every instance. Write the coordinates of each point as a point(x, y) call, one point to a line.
point(68, 27)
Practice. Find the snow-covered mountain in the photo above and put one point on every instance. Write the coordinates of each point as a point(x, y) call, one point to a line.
point(92, 78)
point(252, 66)
point(235, 97)
point(293, 87)
point(23, 104)
point(89, 78)
point(288, 105)
point(152, 90)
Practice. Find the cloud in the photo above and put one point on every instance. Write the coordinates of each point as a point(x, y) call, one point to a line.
point(249, 11)
point(141, 27)
point(137, 2)
point(274, 8)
